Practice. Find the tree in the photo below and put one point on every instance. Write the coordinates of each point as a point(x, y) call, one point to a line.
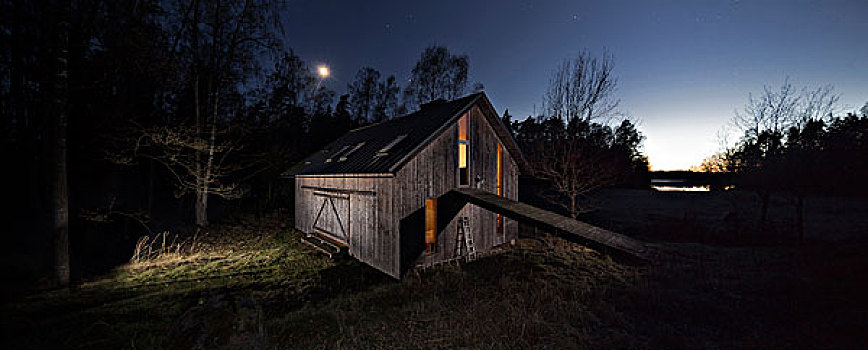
point(343, 119)
point(716, 163)
point(777, 110)
point(570, 150)
point(373, 100)
point(579, 158)
point(788, 144)
point(775, 123)
point(364, 91)
point(70, 71)
point(573, 167)
point(508, 122)
point(289, 86)
point(437, 74)
point(60, 191)
point(582, 88)
point(387, 99)
point(216, 45)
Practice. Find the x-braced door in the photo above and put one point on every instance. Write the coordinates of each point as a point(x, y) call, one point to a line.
point(333, 216)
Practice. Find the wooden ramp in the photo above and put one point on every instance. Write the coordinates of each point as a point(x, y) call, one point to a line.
point(568, 228)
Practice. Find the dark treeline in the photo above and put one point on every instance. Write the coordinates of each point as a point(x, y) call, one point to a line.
point(125, 117)
point(821, 156)
point(128, 118)
point(793, 142)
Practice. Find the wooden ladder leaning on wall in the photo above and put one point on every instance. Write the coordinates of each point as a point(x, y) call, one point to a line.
point(465, 238)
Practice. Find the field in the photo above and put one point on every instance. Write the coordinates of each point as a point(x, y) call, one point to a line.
point(727, 217)
point(250, 284)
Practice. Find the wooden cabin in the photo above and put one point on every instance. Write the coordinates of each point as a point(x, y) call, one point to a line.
point(374, 191)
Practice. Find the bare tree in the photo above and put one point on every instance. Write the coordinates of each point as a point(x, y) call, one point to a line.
point(216, 46)
point(818, 104)
point(573, 169)
point(570, 150)
point(768, 112)
point(578, 159)
point(776, 110)
point(769, 123)
point(582, 88)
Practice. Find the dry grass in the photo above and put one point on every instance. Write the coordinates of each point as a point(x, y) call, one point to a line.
point(544, 293)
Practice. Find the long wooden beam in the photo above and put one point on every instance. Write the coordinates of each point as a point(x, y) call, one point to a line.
point(591, 236)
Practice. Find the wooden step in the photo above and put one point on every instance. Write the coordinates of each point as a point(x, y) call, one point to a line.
point(328, 238)
point(324, 245)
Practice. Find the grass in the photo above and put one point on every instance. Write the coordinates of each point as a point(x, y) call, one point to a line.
point(252, 285)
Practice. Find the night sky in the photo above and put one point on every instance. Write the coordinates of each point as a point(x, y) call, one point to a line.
point(683, 66)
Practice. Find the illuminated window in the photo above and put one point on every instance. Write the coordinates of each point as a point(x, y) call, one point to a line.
point(431, 225)
point(463, 152)
point(500, 229)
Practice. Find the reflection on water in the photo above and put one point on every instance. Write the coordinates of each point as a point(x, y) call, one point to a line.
point(681, 189)
point(680, 185)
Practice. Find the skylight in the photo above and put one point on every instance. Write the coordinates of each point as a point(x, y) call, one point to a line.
point(385, 150)
point(338, 153)
point(345, 155)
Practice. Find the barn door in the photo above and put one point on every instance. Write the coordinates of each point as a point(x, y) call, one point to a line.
point(333, 215)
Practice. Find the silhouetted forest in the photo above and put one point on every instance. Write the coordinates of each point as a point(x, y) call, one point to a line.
point(125, 117)
point(799, 141)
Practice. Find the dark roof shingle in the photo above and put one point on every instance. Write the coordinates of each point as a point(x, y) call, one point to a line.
point(418, 127)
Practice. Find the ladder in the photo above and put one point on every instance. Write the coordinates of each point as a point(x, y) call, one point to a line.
point(465, 238)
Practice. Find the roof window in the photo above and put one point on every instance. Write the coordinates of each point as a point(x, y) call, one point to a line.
point(385, 150)
point(347, 154)
point(338, 153)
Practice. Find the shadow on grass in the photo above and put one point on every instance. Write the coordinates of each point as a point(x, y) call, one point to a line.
point(271, 292)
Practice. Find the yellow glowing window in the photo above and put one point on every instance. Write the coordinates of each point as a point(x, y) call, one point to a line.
point(430, 225)
point(463, 152)
point(462, 155)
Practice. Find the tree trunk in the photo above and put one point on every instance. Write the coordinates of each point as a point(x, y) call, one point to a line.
point(201, 209)
point(201, 181)
point(60, 205)
point(574, 208)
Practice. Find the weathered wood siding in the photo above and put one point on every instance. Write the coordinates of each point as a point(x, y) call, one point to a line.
point(370, 236)
point(385, 224)
point(432, 173)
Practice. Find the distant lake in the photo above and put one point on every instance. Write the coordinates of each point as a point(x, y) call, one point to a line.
point(676, 185)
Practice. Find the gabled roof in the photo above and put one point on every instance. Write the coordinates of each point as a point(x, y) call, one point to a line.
point(373, 149)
